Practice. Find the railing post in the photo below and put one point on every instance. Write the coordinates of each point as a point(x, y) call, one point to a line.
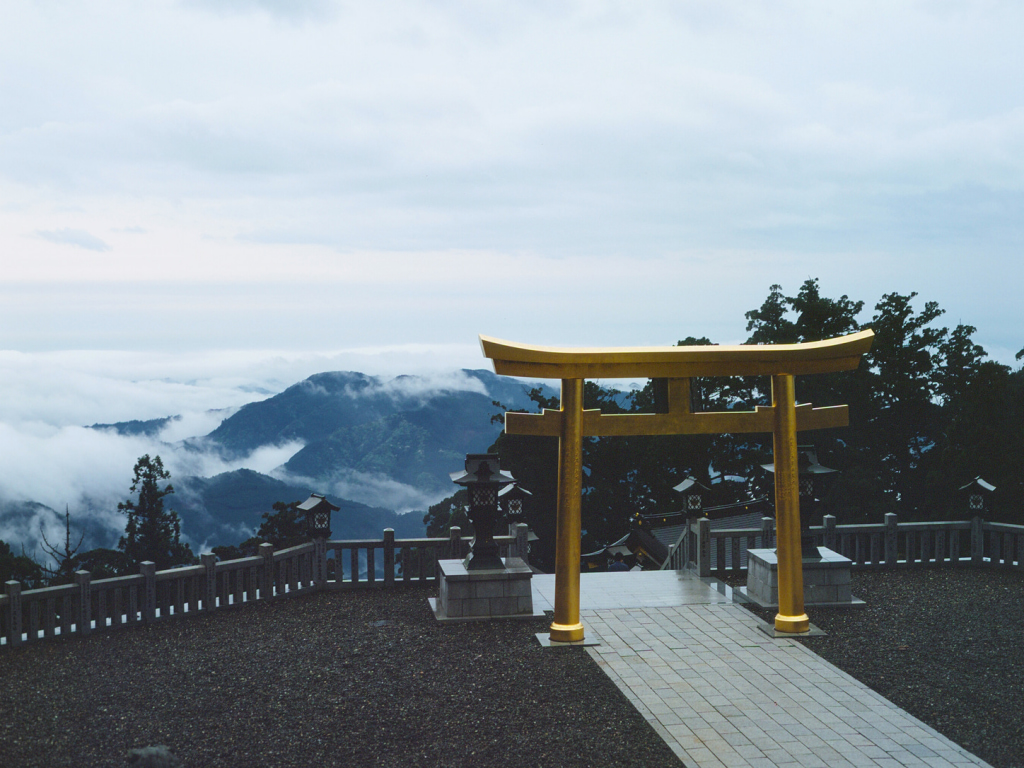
point(389, 557)
point(84, 581)
point(703, 547)
point(209, 561)
point(267, 571)
point(977, 540)
point(13, 589)
point(829, 528)
point(767, 532)
point(454, 543)
point(891, 538)
point(319, 563)
point(148, 570)
point(522, 548)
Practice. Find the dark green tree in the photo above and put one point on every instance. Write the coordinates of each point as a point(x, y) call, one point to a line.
point(284, 527)
point(446, 514)
point(928, 412)
point(64, 573)
point(960, 361)
point(983, 435)
point(20, 568)
point(103, 563)
point(901, 374)
point(770, 324)
point(152, 533)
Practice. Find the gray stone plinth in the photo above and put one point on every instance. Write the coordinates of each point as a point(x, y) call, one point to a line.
point(826, 581)
point(466, 595)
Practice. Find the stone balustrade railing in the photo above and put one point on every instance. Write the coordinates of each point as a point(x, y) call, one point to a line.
point(87, 606)
point(890, 544)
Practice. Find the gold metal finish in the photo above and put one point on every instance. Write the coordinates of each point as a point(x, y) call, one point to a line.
point(791, 616)
point(597, 424)
point(840, 354)
point(567, 626)
point(784, 419)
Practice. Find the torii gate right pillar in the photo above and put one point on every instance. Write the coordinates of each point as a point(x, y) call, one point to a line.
point(791, 616)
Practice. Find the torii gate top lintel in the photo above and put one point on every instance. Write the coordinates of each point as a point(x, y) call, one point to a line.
point(677, 364)
point(839, 354)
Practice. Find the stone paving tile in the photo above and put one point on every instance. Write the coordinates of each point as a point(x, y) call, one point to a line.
point(723, 694)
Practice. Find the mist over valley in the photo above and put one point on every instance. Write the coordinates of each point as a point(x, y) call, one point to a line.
point(379, 446)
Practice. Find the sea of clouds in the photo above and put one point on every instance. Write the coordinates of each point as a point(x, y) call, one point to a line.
point(50, 454)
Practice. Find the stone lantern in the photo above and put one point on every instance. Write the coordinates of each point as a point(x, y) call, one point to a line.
point(814, 480)
point(977, 495)
point(692, 496)
point(482, 480)
point(511, 499)
point(318, 515)
point(318, 526)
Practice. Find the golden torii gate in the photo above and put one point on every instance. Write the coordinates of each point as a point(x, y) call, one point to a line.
point(784, 418)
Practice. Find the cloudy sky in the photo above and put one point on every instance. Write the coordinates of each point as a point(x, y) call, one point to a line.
point(206, 197)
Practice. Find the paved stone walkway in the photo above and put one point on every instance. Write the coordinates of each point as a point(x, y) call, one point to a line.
point(725, 695)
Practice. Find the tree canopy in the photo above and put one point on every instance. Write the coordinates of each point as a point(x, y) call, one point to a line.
point(20, 568)
point(152, 532)
point(928, 412)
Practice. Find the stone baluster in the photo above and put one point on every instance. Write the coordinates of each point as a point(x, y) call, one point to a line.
point(319, 563)
point(891, 538)
point(209, 561)
point(84, 581)
point(13, 628)
point(703, 547)
point(455, 543)
point(768, 532)
point(389, 557)
point(148, 570)
point(829, 528)
point(522, 544)
point(977, 540)
point(267, 571)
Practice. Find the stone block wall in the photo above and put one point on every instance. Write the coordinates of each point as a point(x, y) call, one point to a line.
point(481, 594)
point(825, 581)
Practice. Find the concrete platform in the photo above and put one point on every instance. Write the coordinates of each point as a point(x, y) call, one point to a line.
point(634, 589)
point(724, 695)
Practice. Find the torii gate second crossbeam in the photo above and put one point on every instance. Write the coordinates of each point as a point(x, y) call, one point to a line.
point(784, 418)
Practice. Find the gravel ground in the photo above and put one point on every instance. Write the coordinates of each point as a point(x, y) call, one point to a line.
point(356, 679)
point(371, 679)
point(945, 644)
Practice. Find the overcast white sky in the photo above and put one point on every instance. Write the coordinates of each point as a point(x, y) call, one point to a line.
point(254, 180)
point(204, 200)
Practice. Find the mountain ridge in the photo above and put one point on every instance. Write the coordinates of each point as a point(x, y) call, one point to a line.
point(388, 442)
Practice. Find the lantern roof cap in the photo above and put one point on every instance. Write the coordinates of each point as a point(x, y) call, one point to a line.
point(482, 468)
point(688, 484)
point(985, 486)
point(314, 501)
point(517, 488)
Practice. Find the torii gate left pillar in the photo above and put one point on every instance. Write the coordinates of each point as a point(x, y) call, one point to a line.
point(570, 423)
point(566, 626)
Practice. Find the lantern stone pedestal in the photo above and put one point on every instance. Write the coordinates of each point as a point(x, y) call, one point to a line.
point(826, 580)
point(484, 594)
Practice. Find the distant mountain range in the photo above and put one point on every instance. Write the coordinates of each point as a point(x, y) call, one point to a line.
point(326, 407)
point(407, 433)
